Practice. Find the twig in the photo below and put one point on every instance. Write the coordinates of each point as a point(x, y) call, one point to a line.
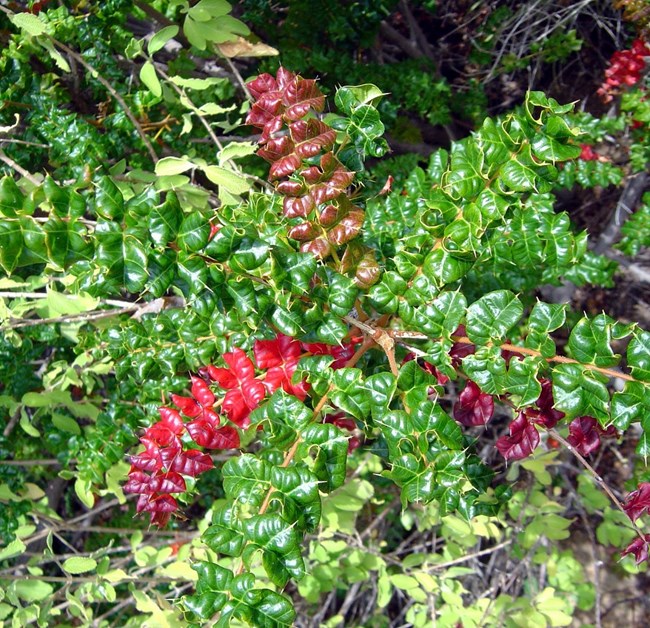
point(44, 295)
point(239, 78)
point(83, 317)
point(112, 91)
point(462, 559)
point(18, 168)
point(598, 479)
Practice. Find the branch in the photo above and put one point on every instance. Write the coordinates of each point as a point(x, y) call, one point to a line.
point(599, 480)
point(111, 90)
point(18, 168)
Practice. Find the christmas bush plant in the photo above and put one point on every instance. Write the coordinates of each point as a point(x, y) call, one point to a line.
point(356, 328)
point(284, 327)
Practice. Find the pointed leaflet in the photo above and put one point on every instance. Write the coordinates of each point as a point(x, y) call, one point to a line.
point(639, 548)
point(638, 355)
point(590, 339)
point(415, 479)
point(212, 589)
point(225, 535)
point(493, 316)
point(297, 490)
point(579, 392)
point(349, 393)
point(473, 406)
point(280, 547)
point(328, 447)
point(246, 478)
point(584, 435)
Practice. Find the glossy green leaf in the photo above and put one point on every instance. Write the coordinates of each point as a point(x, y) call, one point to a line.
point(212, 589)
point(493, 316)
point(11, 198)
point(246, 478)
point(109, 202)
point(327, 445)
point(580, 392)
point(11, 244)
point(193, 232)
point(225, 535)
point(522, 380)
point(349, 392)
point(638, 355)
point(280, 547)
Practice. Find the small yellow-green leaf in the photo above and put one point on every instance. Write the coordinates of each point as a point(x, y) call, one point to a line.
point(30, 23)
point(231, 181)
point(169, 166)
point(65, 424)
point(161, 38)
point(79, 564)
point(14, 548)
point(82, 489)
point(116, 575)
point(149, 77)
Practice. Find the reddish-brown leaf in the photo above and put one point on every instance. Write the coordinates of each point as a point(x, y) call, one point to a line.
point(639, 548)
point(584, 435)
point(521, 442)
point(637, 502)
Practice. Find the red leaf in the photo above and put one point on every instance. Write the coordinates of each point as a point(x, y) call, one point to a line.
point(201, 392)
point(192, 463)
point(584, 435)
point(301, 206)
point(301, 95)
point(549, 416)
point(269, 353)
point(311, 136)
point(638, 547)
point(159, 503)
point(160, 519)
point(276, 149)
point(170, 482)
point(160, 434)
point(150, 459)
point(224, 377)
point(172, 420)
point(473, 407)
point(638, 502)
point(262, 84)
point(240, 364)
point(207, 436)
point(521, 442)
point(138, 482)
point(236, 409)
point(188, 406)
point(304, 232)
point(284, 167)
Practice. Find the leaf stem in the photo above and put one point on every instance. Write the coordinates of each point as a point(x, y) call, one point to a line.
point(597, 478)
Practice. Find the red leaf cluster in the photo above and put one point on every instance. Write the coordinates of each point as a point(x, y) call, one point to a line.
point(305, 170)
point(473, 406)
point(639, 548)
point(585, 433)
point(545, 414)
point(638, 501)
point(522, 440)
point(159, 471)
point(625, 69)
